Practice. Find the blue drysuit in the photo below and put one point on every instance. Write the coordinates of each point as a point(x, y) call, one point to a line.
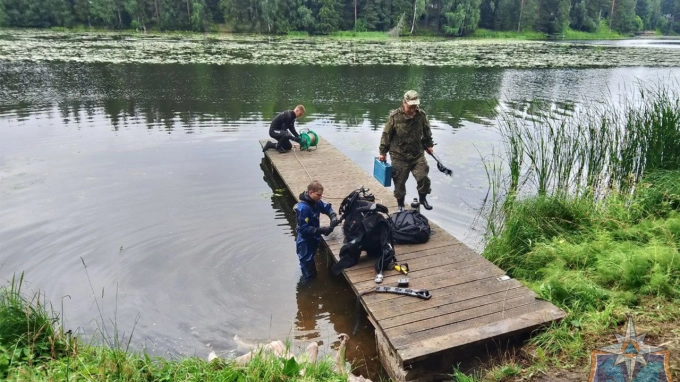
point(308, 233)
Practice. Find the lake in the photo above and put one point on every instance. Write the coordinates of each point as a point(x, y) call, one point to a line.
point(133, 189)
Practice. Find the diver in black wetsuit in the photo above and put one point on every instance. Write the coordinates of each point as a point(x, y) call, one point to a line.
point(283, 130)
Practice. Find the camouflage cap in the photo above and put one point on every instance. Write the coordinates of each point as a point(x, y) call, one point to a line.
point(411, 98)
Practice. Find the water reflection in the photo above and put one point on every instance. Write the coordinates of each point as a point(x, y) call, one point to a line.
point(325, 304)
point(191, 94)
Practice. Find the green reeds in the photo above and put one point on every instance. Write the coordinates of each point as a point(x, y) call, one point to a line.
point(585, 209)
point(592, 152)
point(28, 332)
point(34, 348)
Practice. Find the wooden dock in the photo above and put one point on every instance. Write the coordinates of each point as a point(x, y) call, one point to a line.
point(472, 299)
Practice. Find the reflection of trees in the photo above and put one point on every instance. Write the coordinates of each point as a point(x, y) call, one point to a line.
point(181, 96)
point(539, 93)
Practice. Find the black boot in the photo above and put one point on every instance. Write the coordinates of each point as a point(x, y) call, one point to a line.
point(400, 204)
point(424, 203)
point(268, 145)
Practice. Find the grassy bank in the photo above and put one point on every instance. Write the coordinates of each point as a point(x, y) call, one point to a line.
point(34, 347)
point(586, 212)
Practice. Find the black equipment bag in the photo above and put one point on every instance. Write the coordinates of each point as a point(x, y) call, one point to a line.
point(410, 227)
point(366, 227)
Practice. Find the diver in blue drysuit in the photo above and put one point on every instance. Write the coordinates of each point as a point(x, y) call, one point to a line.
point(308, 228)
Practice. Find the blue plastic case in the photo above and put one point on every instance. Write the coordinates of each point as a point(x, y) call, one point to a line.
point(383, 172)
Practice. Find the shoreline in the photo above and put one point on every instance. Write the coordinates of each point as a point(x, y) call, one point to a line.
point(480, 34)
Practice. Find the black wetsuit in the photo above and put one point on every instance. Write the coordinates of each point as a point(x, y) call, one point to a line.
point(281, 129)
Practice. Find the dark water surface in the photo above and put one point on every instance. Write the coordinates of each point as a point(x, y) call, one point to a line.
point(152, 174)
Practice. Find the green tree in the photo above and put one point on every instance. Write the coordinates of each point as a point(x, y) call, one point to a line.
point(61, 13)
point(373, 15)
point(103, 12)
point(3, 15)
point(328, 18)
point(268, 12)
point(553, 16)
point(418, 10)
point(200, 16)
point(15, 12)
point(580, 18)
point(137, 10)
point(304, 19)
point(461, 17)
point(623, 17)
point(81, 9)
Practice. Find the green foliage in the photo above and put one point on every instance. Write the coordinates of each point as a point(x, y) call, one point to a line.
point(462, 17)
point(623, 19)
point(3, 15)
point(328, 17)
point(33, 349)
point(27, 329)
point(524, 35)
point(553, 16)
point(421, 17)
point(602, 32)
point(595, 249)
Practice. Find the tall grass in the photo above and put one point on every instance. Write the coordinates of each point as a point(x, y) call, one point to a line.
point(585, 209)
point(33, 347)
point(28, 331)
point(598, 150)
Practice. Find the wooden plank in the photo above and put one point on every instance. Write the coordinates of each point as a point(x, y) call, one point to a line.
point(432, 282)
point(526, 319)
point(468, 316)
point(418, 276)
point(451, 308)
point(419, 263)
point(449, 295)
point(366, 263)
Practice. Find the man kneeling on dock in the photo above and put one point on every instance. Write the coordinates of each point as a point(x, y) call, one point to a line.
point(283, 130)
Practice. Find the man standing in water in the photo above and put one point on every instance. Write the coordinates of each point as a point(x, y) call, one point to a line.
point(406, 137)
point(308, 230)
point(282, 129)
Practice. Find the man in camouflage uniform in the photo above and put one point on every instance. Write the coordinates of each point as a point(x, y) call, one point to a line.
point(406, 137)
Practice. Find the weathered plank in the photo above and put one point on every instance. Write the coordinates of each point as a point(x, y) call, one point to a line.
point(472, 299)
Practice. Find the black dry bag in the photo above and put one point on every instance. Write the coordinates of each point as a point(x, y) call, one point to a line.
point(410, 227)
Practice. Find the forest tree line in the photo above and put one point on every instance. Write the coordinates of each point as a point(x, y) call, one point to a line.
point(448, 17)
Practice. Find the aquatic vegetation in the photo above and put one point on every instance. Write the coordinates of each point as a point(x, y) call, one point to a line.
point(111, 47)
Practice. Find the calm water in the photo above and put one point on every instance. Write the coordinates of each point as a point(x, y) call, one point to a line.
point(152, 176)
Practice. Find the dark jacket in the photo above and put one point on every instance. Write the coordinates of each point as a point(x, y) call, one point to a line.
point(308, 213)
point(284, 121)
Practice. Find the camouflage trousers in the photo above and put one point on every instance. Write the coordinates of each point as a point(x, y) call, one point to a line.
point(400, 171)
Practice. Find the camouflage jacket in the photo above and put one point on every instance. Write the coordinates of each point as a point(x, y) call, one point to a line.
point(404, 137)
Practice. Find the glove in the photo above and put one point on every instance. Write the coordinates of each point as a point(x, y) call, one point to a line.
point(334, 219)
point(325, 230)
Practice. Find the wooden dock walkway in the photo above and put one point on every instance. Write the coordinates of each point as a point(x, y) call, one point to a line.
point(472, 299)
